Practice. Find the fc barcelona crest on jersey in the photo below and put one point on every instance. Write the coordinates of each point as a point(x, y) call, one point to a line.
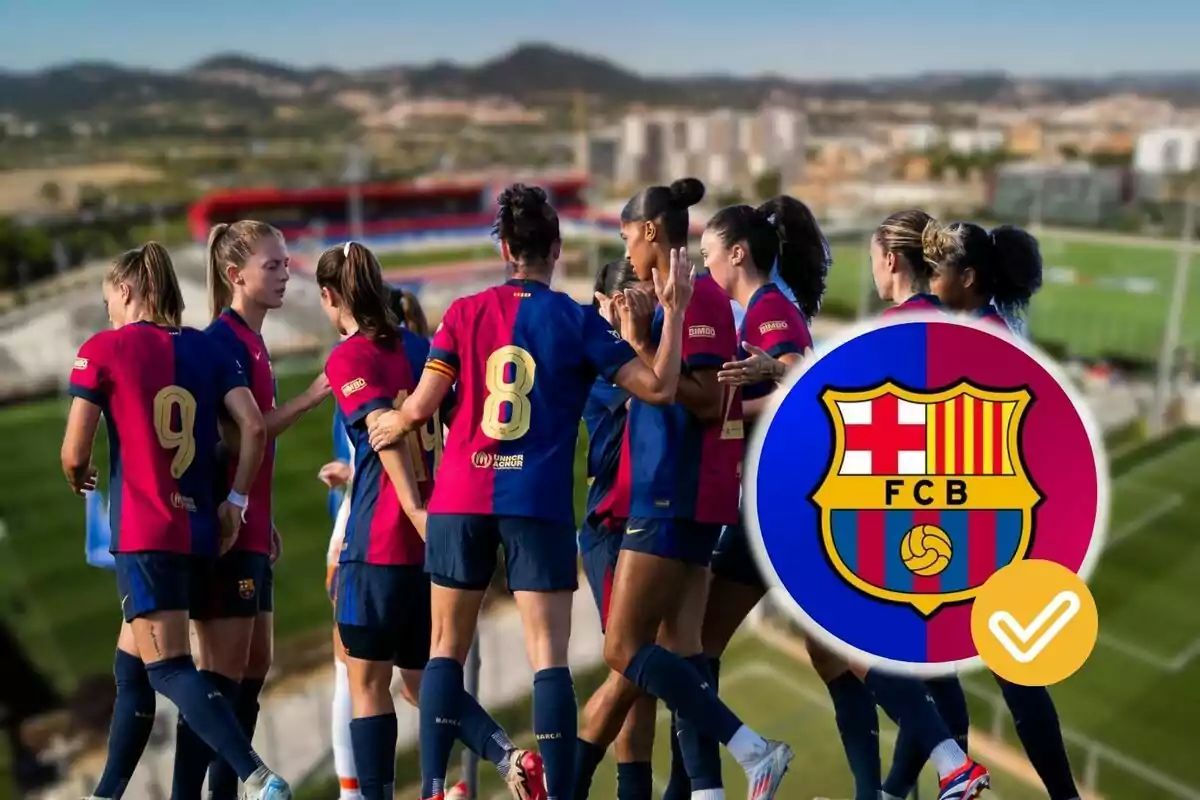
point(901, 468)
point(925, 496)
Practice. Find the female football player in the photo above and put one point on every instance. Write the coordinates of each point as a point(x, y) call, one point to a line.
point(382, 591)
point(742, 248)
point(677, 486)
point(989, 274)
point(161, 388)
point(234, 620)
point(524, 357)
point(601, 532)
point(993, 275)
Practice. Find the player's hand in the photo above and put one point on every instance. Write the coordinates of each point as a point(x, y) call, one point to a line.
point(276, 545)
point(674, 289)
point(83, 481)
point(605, 307)
point(335, 474)
point(319, 389)
point(759, 367)
point(386, 431)
point(230, 518)
point(636, 312)
point(420, 520)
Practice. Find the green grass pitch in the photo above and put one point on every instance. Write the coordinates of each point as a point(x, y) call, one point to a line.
point(1099, 298)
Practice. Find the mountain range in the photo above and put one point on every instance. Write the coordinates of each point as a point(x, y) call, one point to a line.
point(530, 73)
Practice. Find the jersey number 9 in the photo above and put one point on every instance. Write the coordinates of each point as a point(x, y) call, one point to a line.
point(426, 439)
point(182, 439)
point(509, 374)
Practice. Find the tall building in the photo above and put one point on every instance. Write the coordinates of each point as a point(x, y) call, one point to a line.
point(725, 148)
point(1162, 153)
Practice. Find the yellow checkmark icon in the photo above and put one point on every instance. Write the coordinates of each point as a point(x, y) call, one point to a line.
point(1034, 623)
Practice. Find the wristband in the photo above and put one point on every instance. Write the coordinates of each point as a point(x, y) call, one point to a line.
point(239, 500)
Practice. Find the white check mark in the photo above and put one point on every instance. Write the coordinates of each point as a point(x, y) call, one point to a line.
point(1062, 609)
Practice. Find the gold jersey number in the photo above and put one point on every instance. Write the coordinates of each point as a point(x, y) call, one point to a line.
point(170, 401)
point(508, 376)
point(425, 439)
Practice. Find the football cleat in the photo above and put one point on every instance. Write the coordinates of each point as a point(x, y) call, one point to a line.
point(767, 773)
point(526, 775)
point(965, 783)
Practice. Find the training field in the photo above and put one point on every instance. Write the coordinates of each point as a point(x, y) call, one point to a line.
point(1103, 295)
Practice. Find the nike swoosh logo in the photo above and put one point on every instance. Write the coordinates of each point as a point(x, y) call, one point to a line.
point(635, 530)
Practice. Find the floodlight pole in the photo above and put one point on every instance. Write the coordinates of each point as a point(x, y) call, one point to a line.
point(356, 173)
point(1174, 329)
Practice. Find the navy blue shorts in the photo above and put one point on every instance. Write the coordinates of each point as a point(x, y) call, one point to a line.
point(238, 584)
point(599, 550)
point(677, 539)
point(733, 561)
point(383, 613)
point(540, 555)
point(154, 581)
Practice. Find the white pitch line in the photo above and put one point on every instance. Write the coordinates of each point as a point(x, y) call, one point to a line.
point(1173, 664)
point(1165, 506)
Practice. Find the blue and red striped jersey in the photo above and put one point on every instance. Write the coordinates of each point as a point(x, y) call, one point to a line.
point(989, 313)
point(918, 302)
point(524, 357)
point(673, 465)
point(604, 414)
point(161, 390)
point(368, 376)
point(245, 345)
point(773, 324)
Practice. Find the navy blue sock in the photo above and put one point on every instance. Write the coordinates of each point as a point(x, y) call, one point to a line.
point(1038, 728)
point(701, 753)
point(441, 711)
point(222, 783)
point(635, 781)
point(555, 720)
point(951, 702)
point(679, 785)
point(132, 722)
point(374, 743)
point(858, 725)
point(907, 762)
point(587, 760)
point(908, 702)
point(482, 735)
point(206, 712)
point(192, 755)
point(674, 681)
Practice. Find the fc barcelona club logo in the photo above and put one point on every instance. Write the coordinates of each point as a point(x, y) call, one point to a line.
point(246, 588)
point(926, 495)
point(904, 465)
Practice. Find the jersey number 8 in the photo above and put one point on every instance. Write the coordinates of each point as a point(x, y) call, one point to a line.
point(182, 439)
point(509, 374)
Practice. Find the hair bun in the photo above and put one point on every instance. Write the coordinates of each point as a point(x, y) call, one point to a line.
point(686, 192)
point(521, 200)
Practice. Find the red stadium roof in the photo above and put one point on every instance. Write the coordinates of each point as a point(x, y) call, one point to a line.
point(245, 199)
point(321, 194)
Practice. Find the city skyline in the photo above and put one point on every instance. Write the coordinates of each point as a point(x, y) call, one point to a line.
point(853, 40)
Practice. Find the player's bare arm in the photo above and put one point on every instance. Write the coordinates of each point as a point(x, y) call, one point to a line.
point(399, 470)
point(659, 384)
point(389, 427)
point(252, 443)
point(82, 422)
point(285, 416)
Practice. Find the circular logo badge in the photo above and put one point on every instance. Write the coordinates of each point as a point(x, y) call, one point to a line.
point(902, 468)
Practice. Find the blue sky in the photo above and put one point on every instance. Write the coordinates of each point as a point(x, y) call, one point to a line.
point(801, 38)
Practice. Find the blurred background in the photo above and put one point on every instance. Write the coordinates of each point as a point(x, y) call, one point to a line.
point(398, 127)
